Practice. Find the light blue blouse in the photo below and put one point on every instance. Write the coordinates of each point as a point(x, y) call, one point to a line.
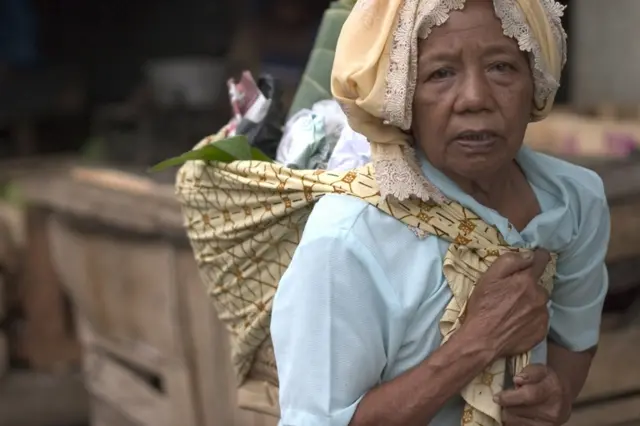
point(361, 301)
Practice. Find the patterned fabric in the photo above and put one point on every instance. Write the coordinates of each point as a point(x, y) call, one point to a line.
point(375, 68)
point(245, 220)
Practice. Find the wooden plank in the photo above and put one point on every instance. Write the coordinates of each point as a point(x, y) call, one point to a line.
point(28, 398)
point(616, 367)
point(130, 302)
point(208, 350)
point(176, 380)
point(123, 289)
point(625, 231)
point(626, 411)
point(216, 382)
point(120, 387)
point(4, 354)
point(81, 260)
point(131, 286)
point(69, 254)
point(103, 414)
point(9, 247)
point(108, 197)
point(16, 168)
point(3, 298)
point(180, 377)
point(140, 356)
point(180, 390)
point(4, 341)
point(48, 342)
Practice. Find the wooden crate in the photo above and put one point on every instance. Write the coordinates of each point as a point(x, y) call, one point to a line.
point(154, 352)
point(4, 354)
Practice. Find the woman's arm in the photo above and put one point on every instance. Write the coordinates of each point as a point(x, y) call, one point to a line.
point(576, 302)
point(334, 319)
point(578, 297)
point(416, 396)
point(571, 367)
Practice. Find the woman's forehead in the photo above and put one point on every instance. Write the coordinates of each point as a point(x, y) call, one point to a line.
point(476, 26)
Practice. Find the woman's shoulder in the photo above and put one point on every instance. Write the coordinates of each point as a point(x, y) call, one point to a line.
point(576, 219)
point(573, 184)
point(335, 213)
point(367, 228)
point(382, 244)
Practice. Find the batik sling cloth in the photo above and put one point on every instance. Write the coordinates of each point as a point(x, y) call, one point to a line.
point(245, 219)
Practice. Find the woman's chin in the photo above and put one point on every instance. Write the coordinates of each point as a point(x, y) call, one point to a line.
point(477, 167)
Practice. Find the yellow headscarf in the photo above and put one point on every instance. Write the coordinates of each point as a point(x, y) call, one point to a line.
point(375, 68)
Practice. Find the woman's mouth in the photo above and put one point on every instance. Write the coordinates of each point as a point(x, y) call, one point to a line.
point(477, 142)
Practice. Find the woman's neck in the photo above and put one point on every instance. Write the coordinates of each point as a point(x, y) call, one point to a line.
point(507, 191)
point(490, 190)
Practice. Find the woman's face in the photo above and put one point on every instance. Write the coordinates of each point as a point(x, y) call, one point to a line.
point(474, 94)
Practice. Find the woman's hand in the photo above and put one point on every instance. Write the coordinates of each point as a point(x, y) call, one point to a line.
point(508, 309)
point(539, 399)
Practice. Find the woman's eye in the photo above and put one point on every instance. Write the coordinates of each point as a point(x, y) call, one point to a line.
point(441, 74)
point(502, 67)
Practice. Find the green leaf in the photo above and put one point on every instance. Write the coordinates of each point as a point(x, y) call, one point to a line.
point(258, 155)
point(237, 146)
point(228, 150)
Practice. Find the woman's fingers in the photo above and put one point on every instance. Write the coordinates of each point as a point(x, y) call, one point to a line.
point(527, 395)
point(510, 263)
point(541, 259)
point(531, 374)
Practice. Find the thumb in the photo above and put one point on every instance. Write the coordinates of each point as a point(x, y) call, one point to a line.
point(510, 263)
point(541, 258)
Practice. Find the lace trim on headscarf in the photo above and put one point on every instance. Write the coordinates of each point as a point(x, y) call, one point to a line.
point(515, 26)
point(403, 61)
point(398, 174)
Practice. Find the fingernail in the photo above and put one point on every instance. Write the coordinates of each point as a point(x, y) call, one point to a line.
point(527, 255)
point(522, 377)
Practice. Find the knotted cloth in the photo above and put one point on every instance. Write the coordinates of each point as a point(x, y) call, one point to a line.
point(245, 219)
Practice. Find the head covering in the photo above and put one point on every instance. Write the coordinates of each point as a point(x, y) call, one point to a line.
point(375, 69)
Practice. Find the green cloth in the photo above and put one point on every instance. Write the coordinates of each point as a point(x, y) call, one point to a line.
point(315, 84)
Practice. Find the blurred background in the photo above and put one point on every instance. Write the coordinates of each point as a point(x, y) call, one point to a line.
point(102, 319)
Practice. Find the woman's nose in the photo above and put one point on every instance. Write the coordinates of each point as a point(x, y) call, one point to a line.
point(474, 93)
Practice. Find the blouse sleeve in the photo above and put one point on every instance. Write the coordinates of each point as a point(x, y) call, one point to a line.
point(330, 317)
point(582, 279)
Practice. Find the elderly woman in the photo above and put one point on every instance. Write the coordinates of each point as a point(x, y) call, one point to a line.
point(363, 320)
